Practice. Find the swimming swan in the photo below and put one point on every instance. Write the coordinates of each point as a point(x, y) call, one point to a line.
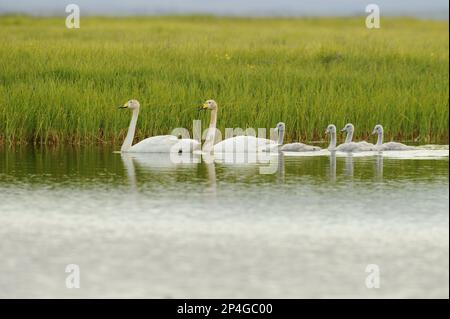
point(364, 146)
point(345, 147)
point(390, 146)
point(292, 147)
point(237, 144)
point(154, 144)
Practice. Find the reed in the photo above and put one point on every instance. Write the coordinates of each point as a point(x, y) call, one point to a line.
point(63, 86)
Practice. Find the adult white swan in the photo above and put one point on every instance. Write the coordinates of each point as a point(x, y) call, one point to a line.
point(237, 144)
point(390, 146)
point(154, 144)
point(349, 128)
point(345, 147)
point(292, 147)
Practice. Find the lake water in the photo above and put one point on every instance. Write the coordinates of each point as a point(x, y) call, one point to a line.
point(141, 226)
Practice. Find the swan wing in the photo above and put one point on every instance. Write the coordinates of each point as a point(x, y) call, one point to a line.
point(299, 147)
point(155, 144)
point(395, 146)
point(242, 144)
point(366, 144)
point(186, 145)
point(351, 147)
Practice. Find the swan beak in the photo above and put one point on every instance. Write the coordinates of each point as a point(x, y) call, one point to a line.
point(374, 132)
point(343, 130)
point(125, 106)
point(204, 107)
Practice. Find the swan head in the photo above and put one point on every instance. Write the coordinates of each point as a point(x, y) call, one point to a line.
point(349, 128)
point(377, 129)
point(209, 105)
point(280, 127)
point(131, 104)
point(331, 129)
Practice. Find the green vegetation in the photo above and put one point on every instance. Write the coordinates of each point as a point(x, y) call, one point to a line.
point(61, 85)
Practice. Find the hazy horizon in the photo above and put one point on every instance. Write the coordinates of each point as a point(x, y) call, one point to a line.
point(434, 9)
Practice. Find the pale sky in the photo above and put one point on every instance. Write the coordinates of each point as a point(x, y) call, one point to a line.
point(416, 8)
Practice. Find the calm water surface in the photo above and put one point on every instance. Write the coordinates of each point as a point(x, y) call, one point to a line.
point(140, 226)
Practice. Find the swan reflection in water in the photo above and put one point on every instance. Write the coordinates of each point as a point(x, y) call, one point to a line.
point(280, 168)
point(161, 164)
point(208, 160)
point(332, 167)
point(167, 166)
point(250, 162)
point(348, 170)
point(379, 168)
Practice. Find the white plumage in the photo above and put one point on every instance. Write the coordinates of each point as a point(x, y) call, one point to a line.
point(243, 144)
point(389, 146)
point(349, 147)
point(155, 144)
point(237, 144)
point(292, 147)
point(164, 144)
point(361, 146)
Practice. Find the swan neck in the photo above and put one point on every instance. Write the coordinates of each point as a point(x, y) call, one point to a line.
point(211, 135)
point(332, 145)
point(280, 137)
point(380, 139)
point(131, 130)
point(349, 137)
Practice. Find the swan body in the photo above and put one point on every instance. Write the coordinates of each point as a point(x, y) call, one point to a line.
point(361, 146)
point(237, 144)
point(243, 144)
point(292, 147)
point(390, 146)
point(155, 144)
point(349, 147)
point(164, 144)
point(352, 147)
point(394, 146)
point(366, 144)
point(299, 147)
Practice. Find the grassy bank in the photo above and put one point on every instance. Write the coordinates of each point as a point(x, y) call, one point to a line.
point(61, 85)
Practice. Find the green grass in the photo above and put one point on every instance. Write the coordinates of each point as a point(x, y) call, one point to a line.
point(63, 86)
